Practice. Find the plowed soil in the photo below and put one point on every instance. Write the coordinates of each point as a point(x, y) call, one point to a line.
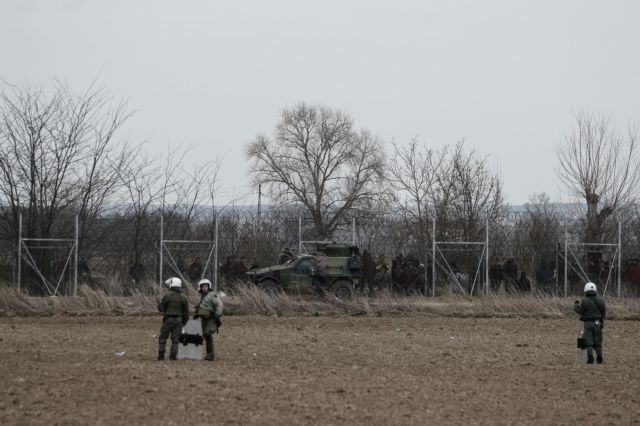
point(317, 370)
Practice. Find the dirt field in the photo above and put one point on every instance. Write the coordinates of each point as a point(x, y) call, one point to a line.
point(317, 370)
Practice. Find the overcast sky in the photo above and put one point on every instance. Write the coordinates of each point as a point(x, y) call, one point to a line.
point(504, 75)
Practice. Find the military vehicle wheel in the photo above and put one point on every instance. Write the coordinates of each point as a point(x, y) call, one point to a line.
point(269, 286)
point(342, 290)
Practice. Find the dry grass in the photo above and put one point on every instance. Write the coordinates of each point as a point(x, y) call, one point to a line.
point(247, 299)
point(89, 301)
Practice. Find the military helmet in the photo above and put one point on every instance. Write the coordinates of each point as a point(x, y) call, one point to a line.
point(590, 287)
point(174, 282)
point(204, 282)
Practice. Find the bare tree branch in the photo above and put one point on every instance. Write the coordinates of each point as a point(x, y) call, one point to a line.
point(319, 160)
point(599, 166)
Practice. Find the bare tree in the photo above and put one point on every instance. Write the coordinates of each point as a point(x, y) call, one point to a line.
point(599, 166)
point(57, 149)
point(453, 185)
point(59, 155)
point(413, 174)
point(468, 193)
point(155, 185)
point(318, 159)
point(535, 233)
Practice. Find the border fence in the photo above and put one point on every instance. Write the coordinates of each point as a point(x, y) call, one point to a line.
point(514, 255)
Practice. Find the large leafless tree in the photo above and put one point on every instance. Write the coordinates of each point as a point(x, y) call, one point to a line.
point(316, 157)
point(58, 150)
point(58, 157)
point(452, 183)
point(599, 166)
point(469, 192)
point(413, 174)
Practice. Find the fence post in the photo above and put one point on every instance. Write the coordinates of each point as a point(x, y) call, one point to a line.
point(433, 257)
point(566, 256)
point(299, 235)
point(160, 260)
point(486, 260)
point(215, 256)
point(75, 259)
point(619, 257)
point(19, 272)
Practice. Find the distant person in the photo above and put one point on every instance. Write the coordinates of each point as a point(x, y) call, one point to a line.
point(84, 272)
point(495, 275)
point(195, 270)
point(633, 277)
point(239, 268)
point(543, 275)
point(181, 266)
point(411, 275)
point(454, 279)
point(367, 277)
point(225, 269)
point(524, 285)
point(286, 256)
point(318, 273)
point(592, 312)
point(175, 314)
point(420, 282)
point(396, 268)
point(136, 272)
point(510, 273)
point(354, 265)
point(383, 277)
point(554, 278)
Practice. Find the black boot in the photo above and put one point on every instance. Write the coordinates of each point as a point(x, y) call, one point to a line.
point(599, 355)
point(174, 352)
point(209, 342)
point(160, 356)
point(590, 359)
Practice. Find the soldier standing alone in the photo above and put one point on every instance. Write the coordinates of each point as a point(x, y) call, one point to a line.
point(209, 309)
point(175, 309)
point(592, 312)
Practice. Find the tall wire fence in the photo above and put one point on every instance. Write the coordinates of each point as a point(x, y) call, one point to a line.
point(526, 252)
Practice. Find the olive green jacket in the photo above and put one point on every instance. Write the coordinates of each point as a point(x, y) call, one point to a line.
point(212, 302)
point(591, 308)
point(175, 303)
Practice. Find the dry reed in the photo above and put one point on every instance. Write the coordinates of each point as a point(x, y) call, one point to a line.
point(248, 299)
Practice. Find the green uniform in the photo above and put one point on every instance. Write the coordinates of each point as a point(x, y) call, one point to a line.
point(211, 302)
point(175, 311)
point(592, 312)
point(209, 308)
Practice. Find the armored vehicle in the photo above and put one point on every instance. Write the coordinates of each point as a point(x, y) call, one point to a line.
point(335, 269)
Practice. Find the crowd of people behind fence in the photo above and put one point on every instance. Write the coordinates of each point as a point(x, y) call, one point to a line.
point(407, 274)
